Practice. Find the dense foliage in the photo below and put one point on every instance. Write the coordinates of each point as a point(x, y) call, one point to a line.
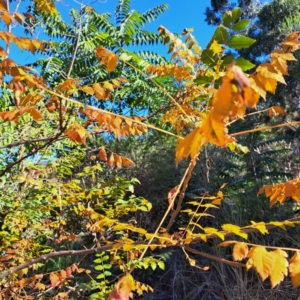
point(92, 204)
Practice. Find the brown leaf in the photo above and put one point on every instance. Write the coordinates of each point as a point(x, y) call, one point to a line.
point(102, 153)
point(171, 195)
point(111, 161)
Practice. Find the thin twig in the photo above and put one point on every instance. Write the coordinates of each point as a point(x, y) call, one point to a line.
point(32, 141)
point(222, 260)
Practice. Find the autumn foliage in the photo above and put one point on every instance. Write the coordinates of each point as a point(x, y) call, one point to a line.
point(53, 199)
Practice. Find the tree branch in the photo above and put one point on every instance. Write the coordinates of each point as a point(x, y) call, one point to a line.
point(222, 260)
point(109, 247)
point(182, 193)
point(33, 141)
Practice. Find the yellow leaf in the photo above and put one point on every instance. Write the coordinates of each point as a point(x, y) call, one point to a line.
point(216, 47)
point(99, 91)
point(295, 269)
point(278, 224)
point(280, 266)
point(280, 64)
point(257, 86)
point(38, 44)
point(240, 251)
point(268, 84)
point(275, 110)
point(107, 85)
point(235, 229)
point(268, 71)
point(87, 89)
point(261, 260)
point(260, 226)
point(211, 230)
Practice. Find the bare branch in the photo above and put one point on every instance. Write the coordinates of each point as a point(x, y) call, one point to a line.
point(33, 141)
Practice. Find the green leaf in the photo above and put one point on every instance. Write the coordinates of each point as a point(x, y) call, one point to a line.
point(236, 13)
point(99, 268)
point(241, 25)
point(209, 58)
point(221, 35)
point(131, 188)
point(227, 60)
point(227, 19)
point(161, 265)
point(203, 79)
point(153, 265)
point(244, 64)
point(239, 42)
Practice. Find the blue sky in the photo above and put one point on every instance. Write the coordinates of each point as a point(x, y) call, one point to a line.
point(180, 15)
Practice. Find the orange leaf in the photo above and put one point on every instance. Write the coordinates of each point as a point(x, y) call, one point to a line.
point(100, 51)
point(3, 5)
point(68, 272)
point(36, 115)
point(111, 161)
point(171, 196)
point(102, 153)
point(19, 17)
point(7, 18)
point(275, 110)
point(118, 160)
point(295, 269)
point(62, 275)
point(190, 145)
point(261, 260)
point(40, 286)
point(112, 60)
point(126, 162)
point(280, 267)
point(240, 251)
point(122, 289)
point(54, 278)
